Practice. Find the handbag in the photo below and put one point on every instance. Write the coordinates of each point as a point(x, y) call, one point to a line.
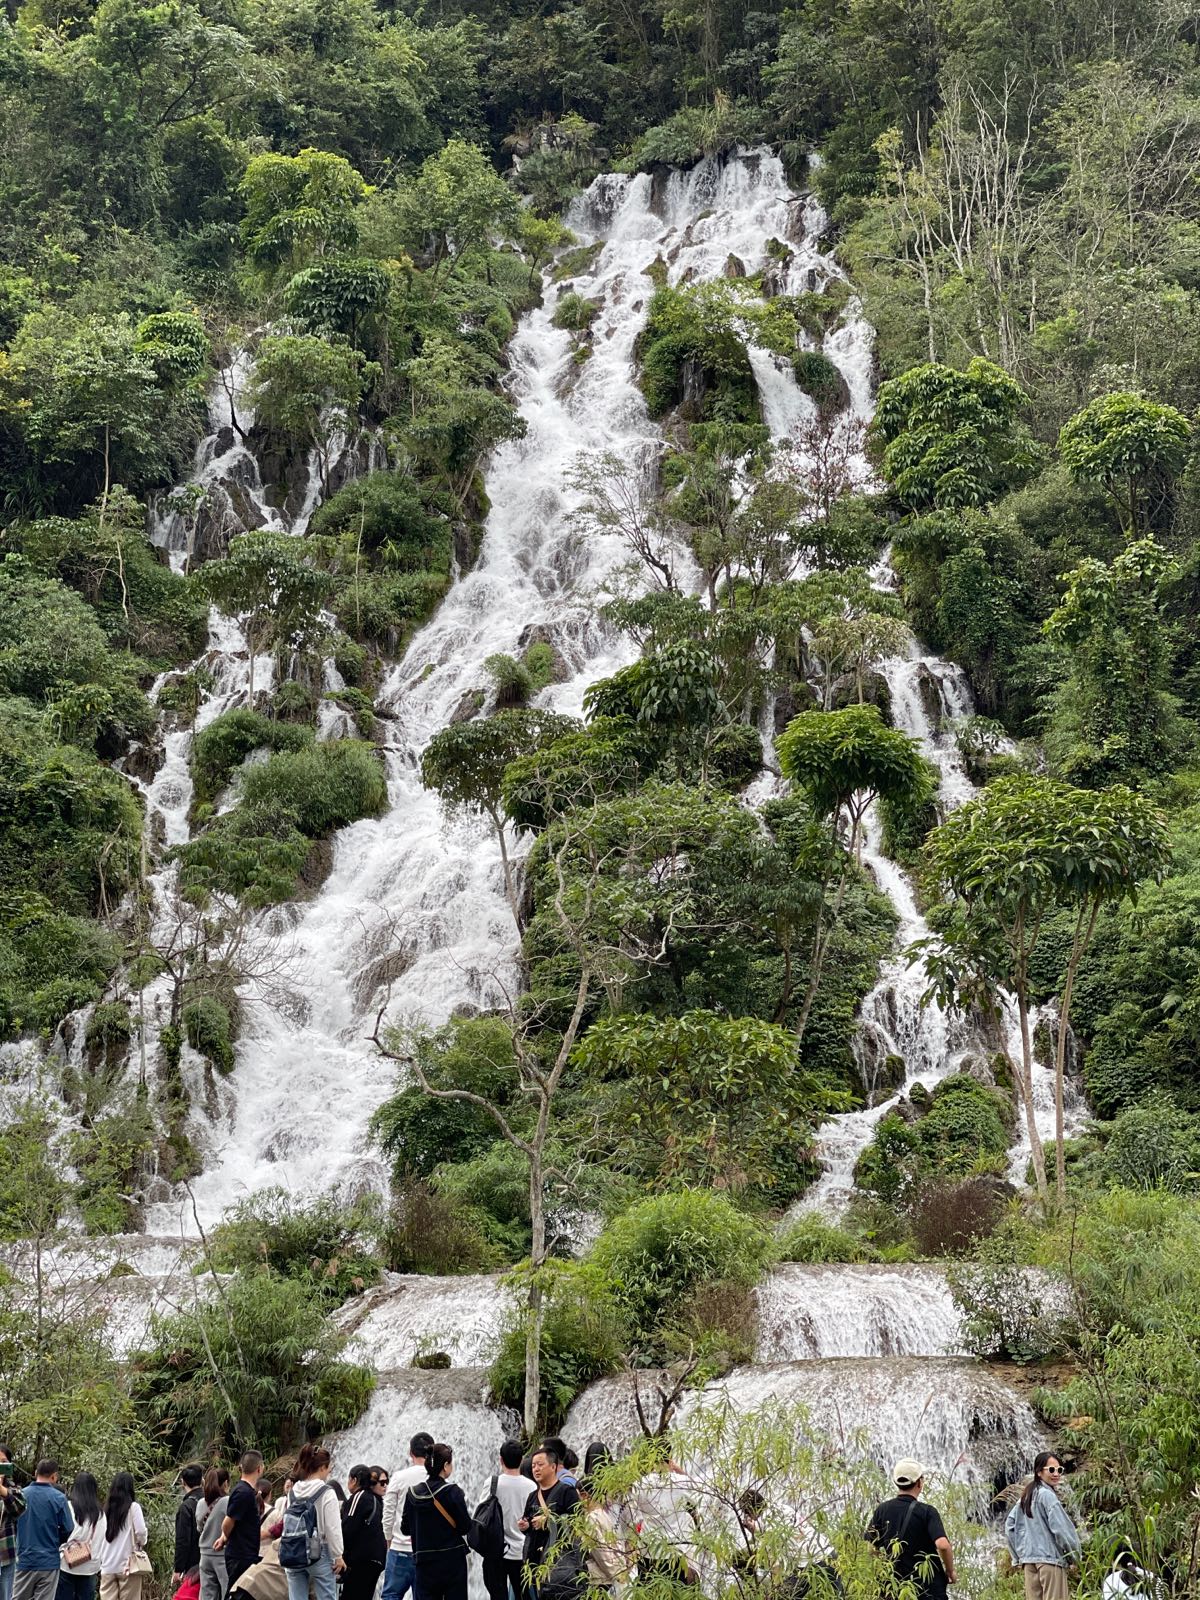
point(77, 1552)
point(138, 1565)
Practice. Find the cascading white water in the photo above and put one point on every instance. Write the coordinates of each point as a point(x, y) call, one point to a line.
point(451, 1405)
point(814, 1312)
point(957, 1417)
point(408, 1315)
point(415, 900)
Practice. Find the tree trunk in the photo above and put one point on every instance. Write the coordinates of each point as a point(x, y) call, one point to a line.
point(537, 1257)
point(1026, 1086)
point(510, 882)
point(1083, 938)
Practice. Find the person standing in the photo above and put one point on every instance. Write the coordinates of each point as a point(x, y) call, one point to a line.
point(553, 1499)
point(364, 1547)
point(210, 1514)
point(80, 1563)
point(313, 1499)
point(44, 1527)
point(12, 1503)
point(1042, 1539)
point(512, 1489)
point(398, 1572)
point(240, 1538)
point(436, 1519)
point(124, 1540)
point(912, 1536)
point(187, 1538)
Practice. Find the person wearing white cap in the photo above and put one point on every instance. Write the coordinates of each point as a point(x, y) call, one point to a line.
point(912, 1536)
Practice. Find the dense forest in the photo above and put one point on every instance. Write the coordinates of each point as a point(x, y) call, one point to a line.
point(337, 213)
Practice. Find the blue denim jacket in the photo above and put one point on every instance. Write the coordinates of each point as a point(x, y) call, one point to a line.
point(1048, 1537)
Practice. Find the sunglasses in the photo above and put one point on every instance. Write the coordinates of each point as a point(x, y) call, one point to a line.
point(374, 1481)
point(1054, 1471)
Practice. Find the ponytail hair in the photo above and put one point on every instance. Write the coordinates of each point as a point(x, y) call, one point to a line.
point(437, 1458)
point(311, 1459)
point(1031, 1488)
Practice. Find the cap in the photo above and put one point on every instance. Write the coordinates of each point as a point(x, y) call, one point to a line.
point(907, 1472)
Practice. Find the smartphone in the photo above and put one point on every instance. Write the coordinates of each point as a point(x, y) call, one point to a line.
point(7, 1468)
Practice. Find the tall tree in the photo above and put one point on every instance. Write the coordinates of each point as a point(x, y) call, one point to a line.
point(266, 583)
point(1008, 861)
point(843, 761)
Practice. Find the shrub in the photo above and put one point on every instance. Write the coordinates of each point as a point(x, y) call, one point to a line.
point(111, 1156)
point(385, 608)
point(511, 679)
point(256, 1367)
point(575, 312)
point(948, 1218)
point(386, 511)
point(219, 749)
point(583, 1336)
point(427, 1232)
point(322, 1241)
point(254, 852)
point(1153, 1146)
point(812, 1239)
point(663, 1249)
point(326, 786)
point(963, 1130)
point(208, 1028)
point(821, 380)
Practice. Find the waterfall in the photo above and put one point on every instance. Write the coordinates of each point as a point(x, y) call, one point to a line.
point(415, 903)
point(814, 1312)
point(958, 1418)
point(413, 917)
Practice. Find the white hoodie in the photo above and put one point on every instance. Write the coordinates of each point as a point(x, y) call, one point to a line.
point(329, 1512)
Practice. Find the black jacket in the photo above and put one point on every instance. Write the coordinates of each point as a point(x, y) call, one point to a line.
point(362, 1530)
point(561, 1499)
point(187, 1535)
point(429, 1530)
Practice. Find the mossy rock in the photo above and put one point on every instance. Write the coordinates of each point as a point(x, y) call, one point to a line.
point(574, 263)
point(822, 381)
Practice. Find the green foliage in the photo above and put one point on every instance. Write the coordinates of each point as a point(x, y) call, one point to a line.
point(840, 755)
point(321, 1243)
point(266, 582)
point(466, 762)
point(696, 329)
point(730, 1090)
point(1133, 447)
point(949, 439)
point(257, 1366)
point(299, 206)
point(383, 519)
point(208, 1028)
point(220, 747)
point(418, 1134)
point(821, 379)
point(811, 1240)
point(324, 786)
point(176, 343)
point(583, 1336)
point(663, 1250)
point(1113, 714)
point(575, 313)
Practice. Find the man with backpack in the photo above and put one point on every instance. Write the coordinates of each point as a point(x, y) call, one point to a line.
point(494, 1531)
point(911, 1535)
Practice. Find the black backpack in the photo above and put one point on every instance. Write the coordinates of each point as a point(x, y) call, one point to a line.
point(486, 1533)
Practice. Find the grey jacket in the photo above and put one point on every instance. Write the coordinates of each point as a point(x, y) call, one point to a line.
point(1047, 1538)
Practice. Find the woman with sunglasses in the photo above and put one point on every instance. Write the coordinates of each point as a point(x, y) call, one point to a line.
point(1043, 1540)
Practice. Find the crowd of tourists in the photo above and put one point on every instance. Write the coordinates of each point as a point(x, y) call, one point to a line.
point(545, 1530)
